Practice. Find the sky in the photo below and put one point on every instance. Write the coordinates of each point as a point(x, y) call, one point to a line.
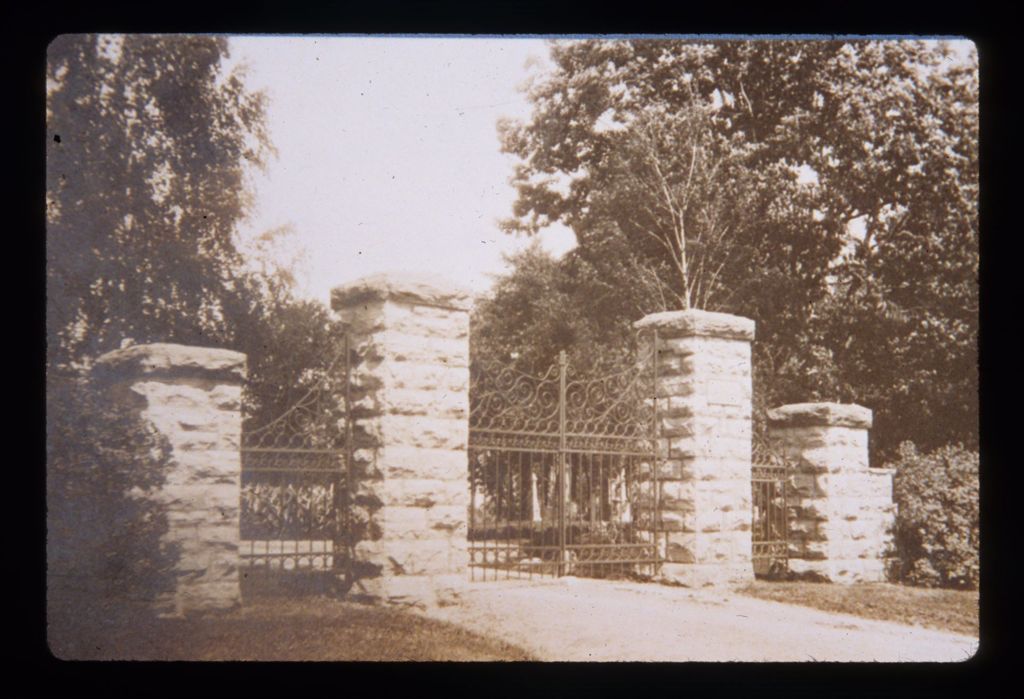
point(388, 155)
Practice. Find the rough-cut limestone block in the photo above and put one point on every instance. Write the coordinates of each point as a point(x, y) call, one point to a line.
point(679, 406)
point(448, 519)
point(417, 431)
point(677, 426)
point(818, 436)
point(724, 448)
point(815, 414)
point(401, 401)
point(170, 361)
point(724, 363)
point(402, 522)
point(416, 492)
point(726, 468)
point(401, 461)
point(393, 347)
point(413, 288)
point(708, 447)
point(854, 485)
point(698, 323)
point(428, 377)
point(812, 509)
point(737, 430)
point(404, 318)
point(833, 460)
point(679, 387)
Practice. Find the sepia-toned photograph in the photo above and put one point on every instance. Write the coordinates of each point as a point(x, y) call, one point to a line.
point(512, 348)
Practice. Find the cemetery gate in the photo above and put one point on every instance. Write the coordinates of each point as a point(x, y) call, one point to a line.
point(769, 533)
point(296, 490)
point(563, 470)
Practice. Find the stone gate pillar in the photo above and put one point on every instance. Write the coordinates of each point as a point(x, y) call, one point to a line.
point(842, 511)
point(412, 427)
point(192, 396)
point(704, 402)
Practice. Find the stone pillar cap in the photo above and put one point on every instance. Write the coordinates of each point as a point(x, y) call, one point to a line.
point(420, 288)
point(166, 360)
point(821, 414)
point(700, 323)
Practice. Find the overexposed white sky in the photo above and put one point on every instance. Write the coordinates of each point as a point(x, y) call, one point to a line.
point(388, 153)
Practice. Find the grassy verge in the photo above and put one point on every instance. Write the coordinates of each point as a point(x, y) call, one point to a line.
point(310, 629)
point(946, 610)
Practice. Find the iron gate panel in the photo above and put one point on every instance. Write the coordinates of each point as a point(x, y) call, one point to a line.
point(770, 527)
point(562, 471)
point(296, 490)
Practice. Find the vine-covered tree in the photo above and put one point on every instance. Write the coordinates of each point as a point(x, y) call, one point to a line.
point(827, 189)
point(148, 141)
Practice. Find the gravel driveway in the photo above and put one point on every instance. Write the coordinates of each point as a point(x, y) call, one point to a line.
point(578, 619)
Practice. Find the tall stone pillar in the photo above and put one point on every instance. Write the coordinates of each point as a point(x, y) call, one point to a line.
point(842, 510)
point(192, 396)
point(412, 427)
point(704, 407)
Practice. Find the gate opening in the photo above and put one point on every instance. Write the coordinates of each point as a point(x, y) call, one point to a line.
point(769, 532)
point(563, 471)
point(296, 490)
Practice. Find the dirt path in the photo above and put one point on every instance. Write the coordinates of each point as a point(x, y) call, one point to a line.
point(578, 620)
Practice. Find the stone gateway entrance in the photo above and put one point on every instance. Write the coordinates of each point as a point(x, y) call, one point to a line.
point(405, 470)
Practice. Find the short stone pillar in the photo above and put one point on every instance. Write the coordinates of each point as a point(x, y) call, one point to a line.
point(192, 396)
point(704, 409)
point(411, 416)
point(841, 511)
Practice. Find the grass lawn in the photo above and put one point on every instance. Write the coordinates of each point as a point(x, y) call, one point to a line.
point(946, 610)
point(282, 629)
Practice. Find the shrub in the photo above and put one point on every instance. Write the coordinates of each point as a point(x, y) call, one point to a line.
point(937, 523)
point(104, 556)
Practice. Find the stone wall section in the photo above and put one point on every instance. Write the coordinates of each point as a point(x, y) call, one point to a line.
point(704, 408)
point(411, 415)
point(192, 396)
point(841, 510)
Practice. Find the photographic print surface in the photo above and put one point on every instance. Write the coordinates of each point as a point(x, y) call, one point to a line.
point(512, 348)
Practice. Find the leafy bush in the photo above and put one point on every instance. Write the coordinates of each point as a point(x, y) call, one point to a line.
point(937, 526)
point(104, 554)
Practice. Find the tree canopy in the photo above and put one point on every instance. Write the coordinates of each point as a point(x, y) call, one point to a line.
point(827, 189)
point(148, 139)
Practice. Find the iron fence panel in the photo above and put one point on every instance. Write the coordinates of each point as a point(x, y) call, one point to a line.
point(562, 470)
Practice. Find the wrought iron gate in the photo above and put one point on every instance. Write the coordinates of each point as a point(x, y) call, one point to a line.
point(296, 489)
point(770, 529)
point(563, 471)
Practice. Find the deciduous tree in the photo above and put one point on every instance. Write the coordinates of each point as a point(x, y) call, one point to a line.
point(827, 189)
point(148, 141)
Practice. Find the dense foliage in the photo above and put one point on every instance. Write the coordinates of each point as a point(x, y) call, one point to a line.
point(147, 147)
point(103, 546)
point(826, 189)
point(937, 527)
